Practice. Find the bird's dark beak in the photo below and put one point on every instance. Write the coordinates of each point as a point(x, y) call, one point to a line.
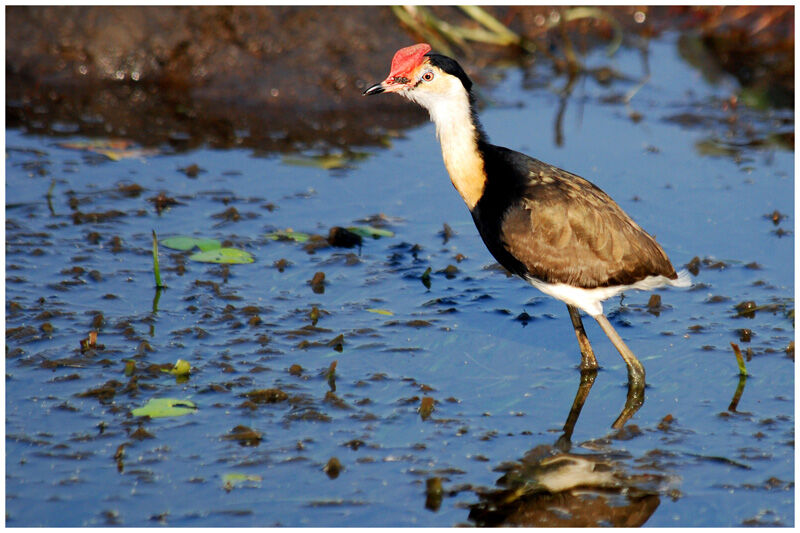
point(378, 88)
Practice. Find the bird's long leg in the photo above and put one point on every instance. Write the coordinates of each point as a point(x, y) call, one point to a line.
point(635, 373)
point(588, 360)
point(635, 368)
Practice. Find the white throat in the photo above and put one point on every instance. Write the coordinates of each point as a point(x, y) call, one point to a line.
point(449, 108)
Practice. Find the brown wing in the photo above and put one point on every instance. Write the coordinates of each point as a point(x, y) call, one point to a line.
point(567, 230)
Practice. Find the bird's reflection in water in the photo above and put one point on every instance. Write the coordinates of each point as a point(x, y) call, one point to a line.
point(557, 489)
point(552, 487)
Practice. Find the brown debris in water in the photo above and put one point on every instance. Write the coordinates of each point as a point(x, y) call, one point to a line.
point(314, 315)
point(433, 493)
point(333, 467)
point(343, 238)
point(95, 218)
point(776, 217)
point(140, 434)
point(98, 320)
point(337, 343)
point(447, 233)
point(330, 375)
point(314, 243)
point(244, 435)
point(746, 309)
point(20, 332)
point(426, 407)
point(192, 171)
point(90, 343)
point(161, 202)
point(231, 215)
point(104, 392)
point(318, 283)
point(264, 396)
point(654, 304)
point(666, 423)
point(116, 244)
point(335, 401)
point(131, 190)
point(449, 271)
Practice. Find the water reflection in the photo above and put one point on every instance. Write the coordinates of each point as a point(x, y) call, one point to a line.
point(633, 401)
point(552, 487)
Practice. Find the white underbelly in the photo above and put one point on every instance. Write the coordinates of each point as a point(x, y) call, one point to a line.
point(591, 300)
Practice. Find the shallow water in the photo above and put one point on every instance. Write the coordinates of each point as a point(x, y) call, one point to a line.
point(502, 386)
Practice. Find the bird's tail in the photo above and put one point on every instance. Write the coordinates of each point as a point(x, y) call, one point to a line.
point(683, 279)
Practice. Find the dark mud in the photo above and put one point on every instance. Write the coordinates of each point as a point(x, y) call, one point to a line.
point(289, 78)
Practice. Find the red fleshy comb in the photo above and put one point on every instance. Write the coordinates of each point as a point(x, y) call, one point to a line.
point(406, 59)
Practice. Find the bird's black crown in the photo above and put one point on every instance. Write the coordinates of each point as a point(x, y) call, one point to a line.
point(451, 67)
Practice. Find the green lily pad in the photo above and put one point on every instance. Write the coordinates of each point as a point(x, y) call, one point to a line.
point(208, 244)
point(223, 255)
point(163, 407)
point(288, 235)
point(370, 231)
point(184, 243)
point(178, 243)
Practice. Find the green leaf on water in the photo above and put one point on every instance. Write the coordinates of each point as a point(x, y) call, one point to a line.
point(234, 478)
point(326, 161)
point(370, 231)
point(208, 244)
point(288, 235)
point(426, 278)
point(184, 243)
point(114, 149)
point(715, 148)
point(179, 243)
point(181, 368)
point(223, 255)
point(163, 407)
point(381, 312)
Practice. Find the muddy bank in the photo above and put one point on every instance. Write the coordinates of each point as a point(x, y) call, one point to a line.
point(288, 78)
point(275, 76)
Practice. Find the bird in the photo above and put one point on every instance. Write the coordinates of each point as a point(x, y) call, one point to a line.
point(554, 229)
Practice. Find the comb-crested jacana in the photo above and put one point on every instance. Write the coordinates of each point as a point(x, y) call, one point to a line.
point(556, 230)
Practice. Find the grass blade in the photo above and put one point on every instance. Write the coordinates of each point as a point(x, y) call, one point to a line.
point(156, 270)
point(739, 359)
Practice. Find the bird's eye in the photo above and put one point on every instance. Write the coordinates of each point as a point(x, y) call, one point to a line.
point(428, 76)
